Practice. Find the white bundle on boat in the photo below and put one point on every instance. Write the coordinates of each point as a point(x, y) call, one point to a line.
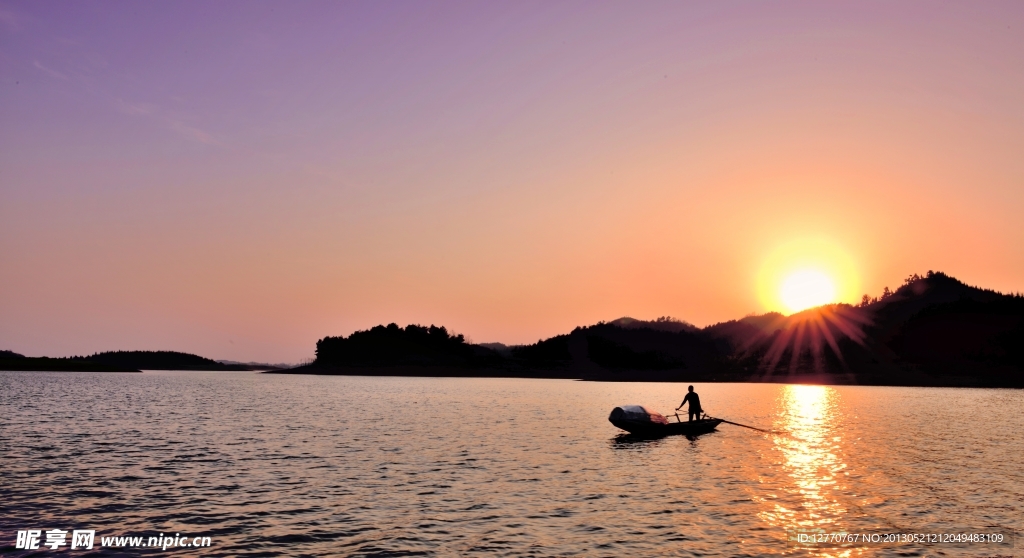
point(637, 413)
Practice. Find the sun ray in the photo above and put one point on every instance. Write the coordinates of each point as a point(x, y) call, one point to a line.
point(806, 336)
point(794, 360)
point(826, 332)
point(850, 324)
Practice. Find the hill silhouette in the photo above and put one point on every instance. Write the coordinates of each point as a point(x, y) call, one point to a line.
point(414, 350)
point(116, 361)
point(159, 360)
point(392, 345)
point(10, 360)
point(664, 323)
point(932, 331)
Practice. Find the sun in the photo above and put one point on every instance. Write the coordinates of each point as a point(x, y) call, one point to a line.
point(805, 289)
point(807, 272)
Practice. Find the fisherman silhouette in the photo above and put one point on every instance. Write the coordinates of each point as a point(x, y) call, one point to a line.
point(694, 401)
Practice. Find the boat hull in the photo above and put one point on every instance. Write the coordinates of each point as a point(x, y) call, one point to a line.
point(691, 428)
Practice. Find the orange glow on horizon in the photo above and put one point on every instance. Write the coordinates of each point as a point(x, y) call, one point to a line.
point(507, 172)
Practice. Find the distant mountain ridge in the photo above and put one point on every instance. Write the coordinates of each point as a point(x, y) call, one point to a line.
point(159, 360)
point(257, 365)
point(10, 360)
point(116, 361)
point(933, 330)
point(665, 323)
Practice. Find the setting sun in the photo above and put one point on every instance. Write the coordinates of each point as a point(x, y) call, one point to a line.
point(806, 289)
point(805, 273)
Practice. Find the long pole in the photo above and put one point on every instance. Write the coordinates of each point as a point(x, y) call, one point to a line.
point(733, 423)
point(750, 427)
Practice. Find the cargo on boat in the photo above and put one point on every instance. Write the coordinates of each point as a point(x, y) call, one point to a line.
point(638, 420)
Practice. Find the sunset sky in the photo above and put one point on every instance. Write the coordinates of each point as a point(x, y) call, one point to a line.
point(240, 179)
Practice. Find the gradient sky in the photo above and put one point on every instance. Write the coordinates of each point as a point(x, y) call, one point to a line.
point(239, 179)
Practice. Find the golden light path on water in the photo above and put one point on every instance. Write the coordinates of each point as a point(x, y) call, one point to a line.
point(811, 457)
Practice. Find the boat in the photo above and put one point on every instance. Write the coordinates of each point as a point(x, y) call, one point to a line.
point(640, 421)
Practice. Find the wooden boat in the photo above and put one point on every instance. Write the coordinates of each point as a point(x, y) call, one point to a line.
point(640, 421)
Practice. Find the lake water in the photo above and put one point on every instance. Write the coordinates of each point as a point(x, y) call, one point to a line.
point(271, 465)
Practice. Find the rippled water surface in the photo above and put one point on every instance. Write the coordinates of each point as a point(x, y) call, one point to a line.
point(275, 465)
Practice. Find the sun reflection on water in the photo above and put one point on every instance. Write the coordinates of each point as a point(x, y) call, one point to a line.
point(812, 481)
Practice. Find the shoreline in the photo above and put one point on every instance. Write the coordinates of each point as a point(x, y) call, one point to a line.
point(673, 376)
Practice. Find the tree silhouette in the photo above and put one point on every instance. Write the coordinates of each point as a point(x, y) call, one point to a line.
point(392, 345)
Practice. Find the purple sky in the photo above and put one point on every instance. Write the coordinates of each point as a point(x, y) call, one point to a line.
point(239, 179)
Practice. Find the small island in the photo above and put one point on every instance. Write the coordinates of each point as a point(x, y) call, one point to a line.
point(10, 360)
point(119, 361)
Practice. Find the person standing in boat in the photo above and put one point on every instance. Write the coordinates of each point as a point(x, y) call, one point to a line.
point(694, 400)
